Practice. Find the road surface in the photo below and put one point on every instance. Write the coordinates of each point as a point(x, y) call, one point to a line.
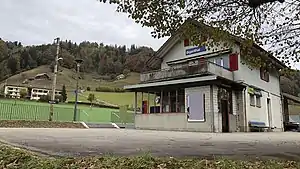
point(84, 142)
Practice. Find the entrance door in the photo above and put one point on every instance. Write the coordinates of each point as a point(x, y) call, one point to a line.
point(225, 116)
point(269, 112)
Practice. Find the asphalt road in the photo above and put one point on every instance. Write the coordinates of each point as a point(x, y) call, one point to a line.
point(85, 142)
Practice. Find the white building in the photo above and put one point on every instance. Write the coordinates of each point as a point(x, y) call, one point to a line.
point(220, 93)
point(13, 91)
point(35, 93)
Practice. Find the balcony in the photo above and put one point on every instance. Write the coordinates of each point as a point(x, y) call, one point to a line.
point(205, 68)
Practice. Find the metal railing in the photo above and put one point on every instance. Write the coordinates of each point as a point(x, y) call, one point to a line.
point(206, 68)
point(122, 117)
point(11, 111)
point(34, 112)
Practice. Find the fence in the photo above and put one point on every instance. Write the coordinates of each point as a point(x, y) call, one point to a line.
point(29, 111)
point(11, 111)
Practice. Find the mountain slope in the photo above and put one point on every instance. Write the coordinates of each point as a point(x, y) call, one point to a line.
point(68, 77)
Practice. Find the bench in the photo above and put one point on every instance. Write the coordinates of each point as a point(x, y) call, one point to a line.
point(257, 126)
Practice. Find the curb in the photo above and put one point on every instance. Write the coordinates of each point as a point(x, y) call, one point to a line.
point(30, 149)
point(84, 124)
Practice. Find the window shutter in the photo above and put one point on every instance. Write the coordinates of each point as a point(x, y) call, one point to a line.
point(186, 42)
point(233, 62)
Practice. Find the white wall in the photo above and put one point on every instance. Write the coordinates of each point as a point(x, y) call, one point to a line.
point(214, 117)
point(270, 89)
point(252, 77)
point(178, 52)
point(248, 76)
point(15, 91)
point(261, 113)
point(257, 113)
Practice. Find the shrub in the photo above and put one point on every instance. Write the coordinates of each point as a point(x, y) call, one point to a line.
point(64, 95)
point(108, 89)
point(91, 98)
point(59, 98)
point(88, 89)
point(45, 98)
point(119, 90)
point(23, 93)
point(126, 72)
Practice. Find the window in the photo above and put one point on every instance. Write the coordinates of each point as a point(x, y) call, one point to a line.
point(181, 101)
point(252, 100)
point(219, 61)
point(258, 101)
point(222, 61)
point(264, 74)
point(173, 101)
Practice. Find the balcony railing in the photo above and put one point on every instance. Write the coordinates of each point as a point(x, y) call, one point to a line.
point(206, 68)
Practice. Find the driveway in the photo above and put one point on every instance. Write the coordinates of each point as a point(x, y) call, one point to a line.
point(84, 142)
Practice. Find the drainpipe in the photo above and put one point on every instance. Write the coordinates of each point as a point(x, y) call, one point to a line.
point(212, 108)
point(245, 114)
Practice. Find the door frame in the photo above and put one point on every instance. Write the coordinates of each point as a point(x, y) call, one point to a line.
point(225, 116)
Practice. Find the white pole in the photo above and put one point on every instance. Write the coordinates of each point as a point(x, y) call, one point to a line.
point(54, 80)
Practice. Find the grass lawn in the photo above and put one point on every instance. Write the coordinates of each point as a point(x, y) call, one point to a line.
point(38, 124)
point(14, 158)
point(120, 99)
point(30, 110)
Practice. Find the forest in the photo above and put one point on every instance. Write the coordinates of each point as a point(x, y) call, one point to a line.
point(98, 58)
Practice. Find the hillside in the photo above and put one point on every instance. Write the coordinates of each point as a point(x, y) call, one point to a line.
point(67, 77)
point(99, 61)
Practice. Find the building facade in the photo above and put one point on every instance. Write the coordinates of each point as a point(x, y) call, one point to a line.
point(13, 91)
point(207, 90)
point(37, 93)
point(33, 93)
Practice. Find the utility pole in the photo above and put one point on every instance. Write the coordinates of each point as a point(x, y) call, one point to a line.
point(78, 62)
point(54, 78)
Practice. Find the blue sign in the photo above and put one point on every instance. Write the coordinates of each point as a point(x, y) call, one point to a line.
point(195, 50)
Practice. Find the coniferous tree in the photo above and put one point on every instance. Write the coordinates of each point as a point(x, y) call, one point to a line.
point(64, 94)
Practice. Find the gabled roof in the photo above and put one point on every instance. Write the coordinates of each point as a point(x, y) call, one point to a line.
point(175, 38)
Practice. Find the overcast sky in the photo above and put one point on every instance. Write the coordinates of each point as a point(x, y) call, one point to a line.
point(40, 21)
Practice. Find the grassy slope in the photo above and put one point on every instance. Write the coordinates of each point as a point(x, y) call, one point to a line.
point(13, 158)
point(68, 77)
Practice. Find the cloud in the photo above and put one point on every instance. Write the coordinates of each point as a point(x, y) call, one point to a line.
point(36, 22)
